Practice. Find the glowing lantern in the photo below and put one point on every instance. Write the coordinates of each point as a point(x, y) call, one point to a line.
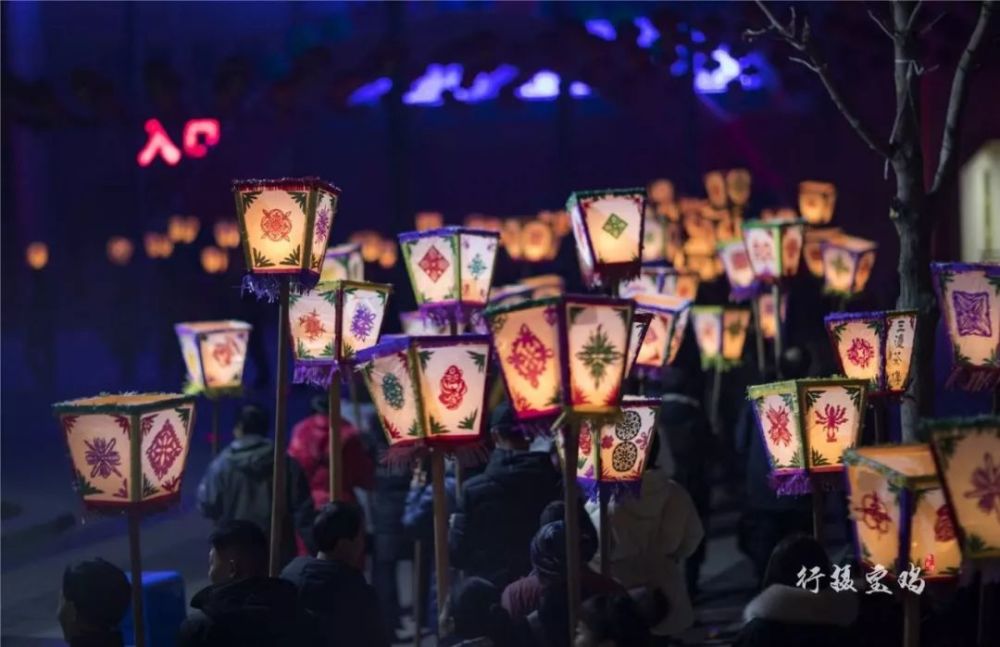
point(425, 220)
point(768, 315)
point(700, 220)
point(157, 245)
point(812, 251)
point(37, 255)
point(967, 452)
point(662, 339)
point(739, 272)
point(715, 188)
point(899, 511)
point(215, 354)
point(343, 263)
point(370, 242)
point(678, 283)
point(775, 248)
point(418, 323)
point(128, 451)
point(428, 391)
point(640, 325)
point(806, 425)
point(875, 346)
point(779, 213)
point(969, 296)
point(183, 229)
point(558, 220)
point(120, 250)
point(538, 242)
point(331, 324)
point(227, 234)
point(285, 225)
point(510, 238)
point(699, 256)
point(661, 192)
point(847, 264)
point(389, 254)
point(721, 332)
point(738, 186)
point(214, 260)
point(562, 353)
point(654, 237)
point(816, 201)
point(479, 221)
point(608, 226)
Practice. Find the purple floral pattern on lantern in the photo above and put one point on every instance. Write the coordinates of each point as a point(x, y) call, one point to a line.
point(972, 313)
point(322, 227)
point(164, 450)
point(102, 457)
point(362, 322)
point(985, 483)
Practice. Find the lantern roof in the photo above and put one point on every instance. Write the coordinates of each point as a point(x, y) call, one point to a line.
point(851, 243)
point(287, 184)
point(776, 223)
point(445, 231)
point(128, 402)
point(909, 465)
point(221, 325)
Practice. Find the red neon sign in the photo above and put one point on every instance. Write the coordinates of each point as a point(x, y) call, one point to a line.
point(199, 135)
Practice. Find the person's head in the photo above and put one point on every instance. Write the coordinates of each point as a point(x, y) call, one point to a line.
point(251, 421)
point(589, 540)
point(238, 551)
point(548, 552)
point(474, 610)
point(611, 620)
point(95, 596)
point(795, 362)
point(320, 404)
point(339, 530)
point(504, 429)
point(791, 555)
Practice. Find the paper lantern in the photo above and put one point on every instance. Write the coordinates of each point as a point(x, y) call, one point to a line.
point(416, 323)
point(510, 238)
point(969, 296)
point(640, 325)
point(389, 254)
point(539, 242)
point(479, 221)
point(806, 425)
point(739, 272)
point(816, 201)
point(721, 332)
point(700, 220)
point(967, 451)
point(562, 353)
point(214, 260)
point(450, 267)
point(738, 186)
point(425, 220)
point(669, 320)
point(428, 391)
point(674, 282)
point(660, 191)
point(343, 263)
point(157, 245)
point(899, 512)
point(370, 242)
point(847, 264)
point(558, 220)
point(37, 255)
point(227, 234)
point(699, 256)
point(284, 225)
point(767, 313)
point(779, 213)
point(654, 237)
point(715, 188)
point(875, 346)
point(812, 251)
point(775, 248)
point(183, 229)
point(608, 226)
point(331, 324)
point(120, 250)
point(215, 354)
point(128, 451)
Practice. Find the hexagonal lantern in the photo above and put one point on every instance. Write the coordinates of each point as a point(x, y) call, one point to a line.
point(215, 354)
point(847, 264)
point(721, 332)
point(562, 353)
point(775, 248)
point(767, 314)
point(331, 323)
point(284, 225)
point(875, 346)
point(969, 296)
point(812, 251)
point(666, 330)
point(343, 263)
point(129, 450)
point(608, 227)
point(816, 201)
point(899, 512)
point(967, 451)
point(806, 425)
point(739, 272)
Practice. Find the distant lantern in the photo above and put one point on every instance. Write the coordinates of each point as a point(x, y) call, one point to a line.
point(699, 256)
point(37, 255)
point(660, 191)
point(416, 323)
point(370, 242)
point(227, 234)
point(899, 511)
point(778, 213)
point(775, 248)
point(806, 425)
point(183, 229)
point(768, 314)
point(425, 220)
point(654, 236)
point(120, 250)
point(157, 245)
point(343, 263)
point(285, 226)
point(660, 279)
point(558, 220)
point(738, 186)
point(816, 201)
point(669, 321)
point(967, 451)
point(739, 272)
point(214, 260)
point(875, 346)
point(510, 238)
point(428, 391)
point(715, 188)
point(969, 296)
point(721, 332)
point(812, 251)
point(128, 451)
point(562, 353)
point(331, 323)
point(847, 264)
point(608, 226)
point(539, 242)
point(215, 354)
point(700, 221)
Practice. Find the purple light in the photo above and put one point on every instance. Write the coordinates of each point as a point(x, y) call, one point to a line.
point(715, 81)
point(370, 92)
point(648, 34)
point(697, 36)
point(427, 89)
point(601, 28)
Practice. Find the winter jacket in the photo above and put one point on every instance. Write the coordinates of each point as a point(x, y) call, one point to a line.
point(238, 486)
point(498, 515)
point(255, 612)
point(651, 536)
point(524, 595)
point(790, 616)
point(418, 516)
point(343, 602)
point(310, 445)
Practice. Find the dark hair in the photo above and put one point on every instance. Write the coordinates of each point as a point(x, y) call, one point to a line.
point(252, 420)
point(475, 608)
point(242, 535)
point(795, 363)
point(336, 521)
point(615, 618)
point(548, 552)
point(791, 555)
point(99, 590)
point(589, 539)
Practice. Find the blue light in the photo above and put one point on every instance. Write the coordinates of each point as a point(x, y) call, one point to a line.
point(697, 36)
point(579, 89)
point(427, 89)
point(542, 87)
point(486, 85)
point(370, 93)
point(715, 81)
point(601, 28)
point(648, 34)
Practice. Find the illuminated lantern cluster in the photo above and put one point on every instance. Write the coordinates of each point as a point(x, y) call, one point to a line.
point(847, 264)
point(562, 353)
point(812, 252)
point(425, 220)
point(214, 260)
point(450, 267)
point(343, 263)
point(183, 229)
point(721, 332)
point(157, 245)
point(533, 287)
point(967, 451)
point(661, 194)
point(417, 323)
point(969, 296)
point(806, 425)
point(608, 227)
point(331, 324)
point(558, 220)
point(666, 330)
point(778, 213)
point(768, 314)
point(899, 511)
point(120, 250)
point(699, 256)
point(739, 272)
point(539, 242)
point(875, 346)
point(774, 247)
point(370, 242)
point(660, 279)
point(227, 234)
point(37, 255)
point(215, 354)
point(128, 451)
point(816, 201)
point(389, 255)
point(480, 221)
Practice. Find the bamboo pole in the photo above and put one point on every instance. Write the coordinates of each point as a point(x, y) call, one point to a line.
point(440, 529)
point(759, 334)
point(135, 556)
point(604, 529)
point(336, 459)
point(278, 502)
point(572, 436)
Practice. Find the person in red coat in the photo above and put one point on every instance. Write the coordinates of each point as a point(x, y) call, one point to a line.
point(309, 446)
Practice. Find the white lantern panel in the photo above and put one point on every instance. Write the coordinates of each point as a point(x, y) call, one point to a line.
point(762, 247)
point(101, 451)
point(614, 223)
point(453, 385)
point(708, 328)
point(192, 359)
point(736, 261)
point(223, 355)
point(312, 318)
point(390, 383)
point(677, 336)
point(832, 416)
point(778, 418)
point(970, 467)
point(899, 349)
point(164, 446)
point(527, 345)
point(875, 510)
point(597, 337)
point(933, 543)
point(275, 223)
point(364, 309)
point(971, 306)
point(859, 345)
point(478, 256)
point(343, 263)
point(624, 445)
point(432, 261)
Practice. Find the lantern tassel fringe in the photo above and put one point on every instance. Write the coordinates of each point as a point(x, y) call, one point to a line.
point(262, 287)
point(795, 484)
point(591, 488)
point(975, 379)
point(318, 376)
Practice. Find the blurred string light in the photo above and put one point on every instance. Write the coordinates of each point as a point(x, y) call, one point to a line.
point(648, 34)
point(601, 28)
point(120, 250)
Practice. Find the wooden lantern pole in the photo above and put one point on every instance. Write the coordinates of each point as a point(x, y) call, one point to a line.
point(759, 334)
point(440, 528)
point(278, 485)
point(602, 496)
point(572, 438)
point(215, 426)
point(335, 455)
point(779, 335)
point(135, 555)
point(716, 396)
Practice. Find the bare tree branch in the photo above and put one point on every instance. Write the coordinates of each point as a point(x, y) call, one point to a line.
point(929, 26)
point(881, 25)
point(956, 102)
point(913, 16)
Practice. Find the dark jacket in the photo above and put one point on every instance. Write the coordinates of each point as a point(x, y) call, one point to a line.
point(498, 515)
point(255, 612)
point(109, 638)
point(788, 616)
point(238, 486)
point(343, 602)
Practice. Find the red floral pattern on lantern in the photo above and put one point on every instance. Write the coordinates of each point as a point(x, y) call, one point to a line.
point(985, 483)
point(607, 442)
point(453, 388)
point(831, 418)
point(529, 356)
point(874, 514)
point(860, 352)
point(434, 264)
point(944, 528)
point(778, 421)
point(223, 352)
point(312, 325)
point(276, 224)
point(586, 442)
point(164, 450)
